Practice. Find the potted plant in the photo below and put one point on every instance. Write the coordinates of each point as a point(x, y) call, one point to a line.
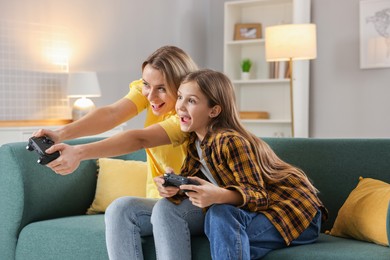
point(246, 65)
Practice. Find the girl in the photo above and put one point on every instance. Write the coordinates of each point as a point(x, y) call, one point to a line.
point(255, 201)
point(128, 218)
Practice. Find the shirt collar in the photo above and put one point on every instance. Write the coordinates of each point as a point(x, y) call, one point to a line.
point(207, 140)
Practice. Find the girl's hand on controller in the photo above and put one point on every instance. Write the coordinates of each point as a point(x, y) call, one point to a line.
point(203, 195)
point(165, 192)
point(68, 161)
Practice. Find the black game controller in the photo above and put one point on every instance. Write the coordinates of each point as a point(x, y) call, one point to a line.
point(40, 144)
point(171, 179)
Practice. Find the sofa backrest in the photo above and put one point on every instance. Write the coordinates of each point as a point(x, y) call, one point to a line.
point(334, 165)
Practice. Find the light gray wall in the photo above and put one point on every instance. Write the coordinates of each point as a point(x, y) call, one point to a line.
point(114, 37)
point(214, 57)
point(345, 101)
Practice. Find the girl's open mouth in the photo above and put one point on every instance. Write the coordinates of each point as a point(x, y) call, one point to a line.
point(185, 119)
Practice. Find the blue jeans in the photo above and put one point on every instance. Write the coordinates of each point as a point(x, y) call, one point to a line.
point(238, 234)
point(127, 219)
point(173, 226)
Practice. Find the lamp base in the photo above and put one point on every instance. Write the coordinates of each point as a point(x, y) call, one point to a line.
point(81, 107)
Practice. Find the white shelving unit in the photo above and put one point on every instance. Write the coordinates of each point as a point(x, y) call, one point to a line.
point(260, 93)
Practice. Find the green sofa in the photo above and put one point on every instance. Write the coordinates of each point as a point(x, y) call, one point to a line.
point(43, 214)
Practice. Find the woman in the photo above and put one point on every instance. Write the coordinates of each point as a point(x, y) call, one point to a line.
point(162, 138)
point(255, 201)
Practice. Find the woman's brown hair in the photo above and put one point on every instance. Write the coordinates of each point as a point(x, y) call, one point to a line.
point(173, 63)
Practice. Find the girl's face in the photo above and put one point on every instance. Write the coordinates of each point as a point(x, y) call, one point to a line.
point(193, 109)
point(155, 90)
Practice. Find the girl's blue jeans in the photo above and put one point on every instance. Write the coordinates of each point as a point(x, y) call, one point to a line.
point(238, 234)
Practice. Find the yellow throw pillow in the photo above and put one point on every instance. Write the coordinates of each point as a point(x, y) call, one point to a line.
point(118, 178)
point(364, 215)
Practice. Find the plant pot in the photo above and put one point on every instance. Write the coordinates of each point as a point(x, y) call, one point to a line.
point(245, 75)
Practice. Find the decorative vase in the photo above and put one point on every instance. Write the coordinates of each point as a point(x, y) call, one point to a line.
point(244, 75)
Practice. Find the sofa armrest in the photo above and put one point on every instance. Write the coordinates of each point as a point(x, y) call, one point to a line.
point(31, 192)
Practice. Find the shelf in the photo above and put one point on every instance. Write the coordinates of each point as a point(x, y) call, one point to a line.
point(266, 121)
point(243, 42)
point(261, 81)
point(253, 3)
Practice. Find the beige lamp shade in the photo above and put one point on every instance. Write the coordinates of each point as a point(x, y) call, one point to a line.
point(290, 41)
point(83, 84)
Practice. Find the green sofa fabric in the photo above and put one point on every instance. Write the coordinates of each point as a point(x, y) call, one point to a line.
point(43, 214)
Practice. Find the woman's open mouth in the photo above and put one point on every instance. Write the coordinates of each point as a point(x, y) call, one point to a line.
point(156, 107)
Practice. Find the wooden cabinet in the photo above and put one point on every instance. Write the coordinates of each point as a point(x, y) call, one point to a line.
point(23, 133)
point(261, 92)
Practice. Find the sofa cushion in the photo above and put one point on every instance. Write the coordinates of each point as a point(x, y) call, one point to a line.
point(82, 237)
point(330, 247)
point(117, 178)
point(364, 215)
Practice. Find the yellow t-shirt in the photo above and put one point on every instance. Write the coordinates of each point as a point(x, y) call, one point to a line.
point(161, 157)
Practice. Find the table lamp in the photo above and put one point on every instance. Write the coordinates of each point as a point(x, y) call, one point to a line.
point(290, 42)
point(82, 85)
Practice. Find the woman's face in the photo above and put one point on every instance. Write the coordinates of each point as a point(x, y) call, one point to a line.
point(193, 109)
point(156, 91)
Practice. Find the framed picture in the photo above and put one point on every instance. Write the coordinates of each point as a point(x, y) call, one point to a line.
point(247, 31)
point(374, 34)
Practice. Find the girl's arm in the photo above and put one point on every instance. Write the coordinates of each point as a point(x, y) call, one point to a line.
point(122, 143)
point(207, 194)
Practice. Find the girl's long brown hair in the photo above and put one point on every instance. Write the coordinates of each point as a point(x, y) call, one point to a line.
point(219, 90)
